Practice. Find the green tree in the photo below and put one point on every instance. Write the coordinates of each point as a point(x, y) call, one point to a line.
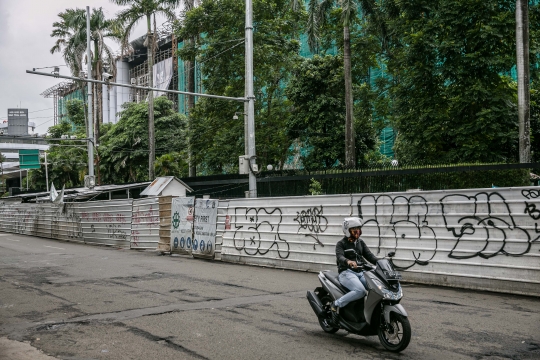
point(124, 148)
point(172, 164)
point(71, 40)
point(316, 92)
point(450, 99)
point(318, 17)
point(68, 160)
point(139, 10)
point(216, 139)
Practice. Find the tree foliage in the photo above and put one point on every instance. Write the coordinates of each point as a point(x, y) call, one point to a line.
point(451, 97)
point(316, 92)
point(124, 148)
point(217, 139)
point(67, 159)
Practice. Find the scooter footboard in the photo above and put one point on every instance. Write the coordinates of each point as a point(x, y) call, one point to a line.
point(397, 308)
point(315, 303)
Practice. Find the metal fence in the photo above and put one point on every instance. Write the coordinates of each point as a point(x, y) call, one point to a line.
point(106, 222)
point(96, 222)
point(369, 180)
point(145, 224)
point(481, 239)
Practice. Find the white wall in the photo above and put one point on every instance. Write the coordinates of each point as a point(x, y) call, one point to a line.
point(122, 93)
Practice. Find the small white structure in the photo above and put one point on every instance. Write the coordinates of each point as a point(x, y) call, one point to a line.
point(167, 185)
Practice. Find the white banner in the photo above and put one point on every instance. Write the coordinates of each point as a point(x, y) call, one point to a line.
point(204, 228)
point(181, 224)
point(162, 75)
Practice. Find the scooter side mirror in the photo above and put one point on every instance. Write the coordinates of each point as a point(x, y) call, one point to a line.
point(391, 254)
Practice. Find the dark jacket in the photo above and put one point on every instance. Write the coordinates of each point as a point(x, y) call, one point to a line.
point(361, 249)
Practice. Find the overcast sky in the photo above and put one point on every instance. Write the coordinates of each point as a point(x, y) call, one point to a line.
point(25, 41)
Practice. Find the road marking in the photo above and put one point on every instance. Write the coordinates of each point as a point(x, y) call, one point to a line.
point(4, 234)
point(10, 239)
point(52, 247)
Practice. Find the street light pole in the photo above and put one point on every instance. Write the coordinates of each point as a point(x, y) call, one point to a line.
point(250, 96)
point(90, 110)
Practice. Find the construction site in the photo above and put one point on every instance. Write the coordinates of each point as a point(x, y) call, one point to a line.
point(132, 68)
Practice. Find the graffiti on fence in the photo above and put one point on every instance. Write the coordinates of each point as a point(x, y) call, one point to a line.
point(486, 228)
point(114, 231)
point(481, 225)
point(400, 221)
point(66, 223)
point(314, 222)
point(261, 233)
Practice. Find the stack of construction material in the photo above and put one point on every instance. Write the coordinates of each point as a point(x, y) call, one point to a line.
point(165, 203)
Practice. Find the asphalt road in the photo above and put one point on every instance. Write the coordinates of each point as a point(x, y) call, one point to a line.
point(74, 301)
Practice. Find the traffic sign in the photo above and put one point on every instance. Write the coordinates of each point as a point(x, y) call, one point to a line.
point(29, 159)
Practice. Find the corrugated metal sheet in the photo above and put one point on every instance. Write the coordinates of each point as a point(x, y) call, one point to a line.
point(66, 222)
point(145, 224)
point(483, 239)
point(223, 224)
point(294, 233)
point(106, 222)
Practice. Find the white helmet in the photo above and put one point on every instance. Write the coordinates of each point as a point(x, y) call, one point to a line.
point(351, 222)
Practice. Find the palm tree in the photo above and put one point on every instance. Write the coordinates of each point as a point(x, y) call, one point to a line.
point(522, 53)
point(137, 11)
point(318, 13)
point(71, 40)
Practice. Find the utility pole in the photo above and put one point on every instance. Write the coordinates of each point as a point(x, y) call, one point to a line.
point(90, 142)
point(151, 130)
point(250, 96)
point(522, 61)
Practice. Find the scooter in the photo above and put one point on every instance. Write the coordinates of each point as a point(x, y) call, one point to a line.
point(377, 313)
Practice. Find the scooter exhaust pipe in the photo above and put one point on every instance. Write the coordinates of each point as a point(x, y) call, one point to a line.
point(315, 303)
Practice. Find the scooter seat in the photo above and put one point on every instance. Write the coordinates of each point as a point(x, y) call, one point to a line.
point(334, 279)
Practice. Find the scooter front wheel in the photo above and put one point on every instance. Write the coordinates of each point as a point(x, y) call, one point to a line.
point(396, 335)
point(325, 322)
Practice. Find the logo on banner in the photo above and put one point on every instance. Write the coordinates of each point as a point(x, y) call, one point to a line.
point(182, 242)
point(201, 245)
point(195, 245)
point(175, 242)
point(189, 243)
point(176, 220)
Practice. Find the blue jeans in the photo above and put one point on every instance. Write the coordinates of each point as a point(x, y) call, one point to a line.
point(356, 284)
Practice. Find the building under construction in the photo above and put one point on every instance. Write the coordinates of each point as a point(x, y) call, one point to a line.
point(130, 69)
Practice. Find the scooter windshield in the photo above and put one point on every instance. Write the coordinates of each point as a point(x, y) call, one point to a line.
point(386, 270)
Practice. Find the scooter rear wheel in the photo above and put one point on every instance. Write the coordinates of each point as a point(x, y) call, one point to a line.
point(398, 336)
point(326, 322)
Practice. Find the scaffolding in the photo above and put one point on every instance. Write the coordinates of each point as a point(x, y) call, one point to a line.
point(139, 76)
point(61, 92)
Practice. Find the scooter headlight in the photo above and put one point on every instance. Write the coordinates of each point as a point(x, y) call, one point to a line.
point(390, 295)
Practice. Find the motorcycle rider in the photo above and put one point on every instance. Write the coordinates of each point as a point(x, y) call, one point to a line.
point(350, 274)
